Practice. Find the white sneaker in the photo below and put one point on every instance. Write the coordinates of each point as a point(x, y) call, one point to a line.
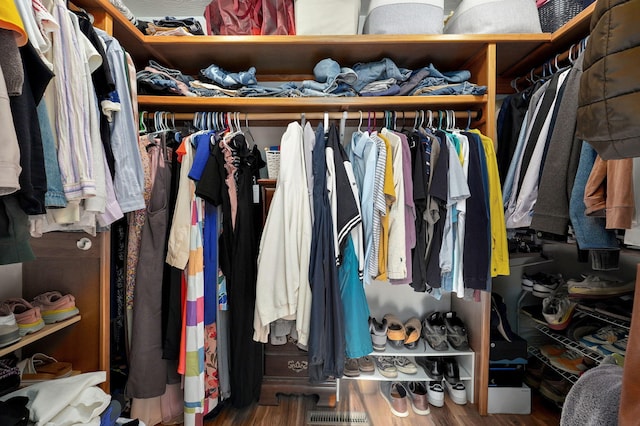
point(457, 392)
point(9, 330)
point(435, 393)
point(595, 286)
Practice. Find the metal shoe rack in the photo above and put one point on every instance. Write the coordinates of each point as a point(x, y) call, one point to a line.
point(536, 352)
point(571, 344)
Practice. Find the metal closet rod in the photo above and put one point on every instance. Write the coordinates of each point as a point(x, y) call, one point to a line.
point(351, 115)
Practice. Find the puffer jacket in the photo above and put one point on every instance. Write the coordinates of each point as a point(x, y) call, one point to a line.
point(610, 83)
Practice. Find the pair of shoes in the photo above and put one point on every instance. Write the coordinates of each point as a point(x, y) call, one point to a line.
point(606, 340)
point(569, 361)
point(499, 321)
point(389, 366)
point(557, 309)
point(439, 329)
point(403, 334)
point(595, 286)
point(398, 397)
point(28, 317)
point(9, 330)
point(378, 331)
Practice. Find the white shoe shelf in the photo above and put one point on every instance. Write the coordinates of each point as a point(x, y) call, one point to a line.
point(465, 359)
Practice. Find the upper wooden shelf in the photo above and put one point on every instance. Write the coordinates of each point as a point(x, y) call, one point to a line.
point(47, 330)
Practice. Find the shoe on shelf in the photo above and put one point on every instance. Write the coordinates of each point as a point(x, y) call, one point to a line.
point(386, 366)
point(451, 370)
point(418, 398)
point(27, 316)
point(9, 330)
point(433, 366)
point(527, 283)
point(378, 332)
point(435, 393)
point(456, 332)
point(606, 334)
point(413, 328)
point(395, 394)
point(552, 350)
point(457, 392)
point(499, 319)
point(434, 331)
point(54, 307)
point(404, 365)
point(557, 309)
point(545, 284)
point(40, 367)
point(351, 368)
point(570, 361)
point(396, 333)
point(617, 347)
point(366, 364)
point(596, 286)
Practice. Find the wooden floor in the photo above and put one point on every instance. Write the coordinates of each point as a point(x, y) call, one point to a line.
point(362, 396)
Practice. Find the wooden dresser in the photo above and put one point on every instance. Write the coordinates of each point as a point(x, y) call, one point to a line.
point(286, 366)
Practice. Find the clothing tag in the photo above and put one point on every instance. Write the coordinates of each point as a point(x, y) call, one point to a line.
point(256, 194)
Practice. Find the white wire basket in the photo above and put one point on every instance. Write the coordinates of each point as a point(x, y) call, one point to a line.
point(273, 163)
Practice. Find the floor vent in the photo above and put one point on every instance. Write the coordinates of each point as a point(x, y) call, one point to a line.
point(337, 418)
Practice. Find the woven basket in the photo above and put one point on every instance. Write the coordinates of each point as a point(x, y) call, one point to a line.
point(556, 13)
point(273, 163)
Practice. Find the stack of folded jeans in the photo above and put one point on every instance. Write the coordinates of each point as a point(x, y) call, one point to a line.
point(155, 79)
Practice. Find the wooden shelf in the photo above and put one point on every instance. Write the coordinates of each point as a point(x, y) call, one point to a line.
point(33, 337)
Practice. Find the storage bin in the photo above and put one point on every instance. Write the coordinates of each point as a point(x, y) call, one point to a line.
point(327, 17)
point(404, 17)
point(556, 13)
point(494, 17)
point(273, 163)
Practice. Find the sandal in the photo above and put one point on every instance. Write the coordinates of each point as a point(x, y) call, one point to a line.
point(41, 367)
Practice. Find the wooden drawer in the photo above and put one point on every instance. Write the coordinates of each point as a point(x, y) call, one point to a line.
point(286, 365)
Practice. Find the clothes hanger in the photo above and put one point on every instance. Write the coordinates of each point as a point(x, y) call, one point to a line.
point(360, 123)
point(326, 122)
point(247, 132)
point(468, 120)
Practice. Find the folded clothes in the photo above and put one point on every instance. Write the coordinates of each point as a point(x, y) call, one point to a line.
point(229, 80)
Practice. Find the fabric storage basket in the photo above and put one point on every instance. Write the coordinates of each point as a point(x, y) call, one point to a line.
point(494, 17)
point(404, 17)
point(327, 17)
point(556, 13)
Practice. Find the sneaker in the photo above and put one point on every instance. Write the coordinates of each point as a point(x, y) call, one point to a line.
point(457, 392)
point(432, 366)
point(396, 333)
point(434, 332)
point(418, 398)
point(395, 394)
point(9, 330)
point(618, 347)
point(413, 328)
point(366, 364)
point(553, 350)
point(351, 368)
point(545, 284)
point(595, 286)
point(456, 332)
point(435, 393)
point(557, 309)
point(55, 307)
point(607, 334)
point(27, 316)
point(451, 370)
point(404, 365)
point(570, 361)
point(386, 366)
point(378, 334)
point(527, 283)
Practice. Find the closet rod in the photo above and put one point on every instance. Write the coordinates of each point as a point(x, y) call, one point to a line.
point(253, 117)
point(562, 59)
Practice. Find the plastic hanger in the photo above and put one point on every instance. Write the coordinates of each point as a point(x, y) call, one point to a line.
point(360, 123)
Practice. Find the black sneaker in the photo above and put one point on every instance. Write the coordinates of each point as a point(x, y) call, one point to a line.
point(434, 331)
point(451, 370)
point(433, 366)
point(456, 332)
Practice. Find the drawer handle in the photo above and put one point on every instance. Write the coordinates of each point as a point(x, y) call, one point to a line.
point(297, 366)
point(84, 243)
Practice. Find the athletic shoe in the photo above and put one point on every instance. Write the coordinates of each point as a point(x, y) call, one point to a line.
point(557, 309)
point(456, 332)
point(451, 370)
point(595, 286)
point(618, 347)
point(351, 368)
point(385, 366)
point(435, 393)
point(457, 392)
point(27, 316)
point(545, 284)
point(418, 398)
point(570, 361)
point(527, 283)
point(9, 330)
point(435, 332)
point(55, 307)
point(366, 364)
point(395, 394)
point(404, 365)
point(607, 334)
point(378, 334)
point(552, 350)
point(433, 367)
